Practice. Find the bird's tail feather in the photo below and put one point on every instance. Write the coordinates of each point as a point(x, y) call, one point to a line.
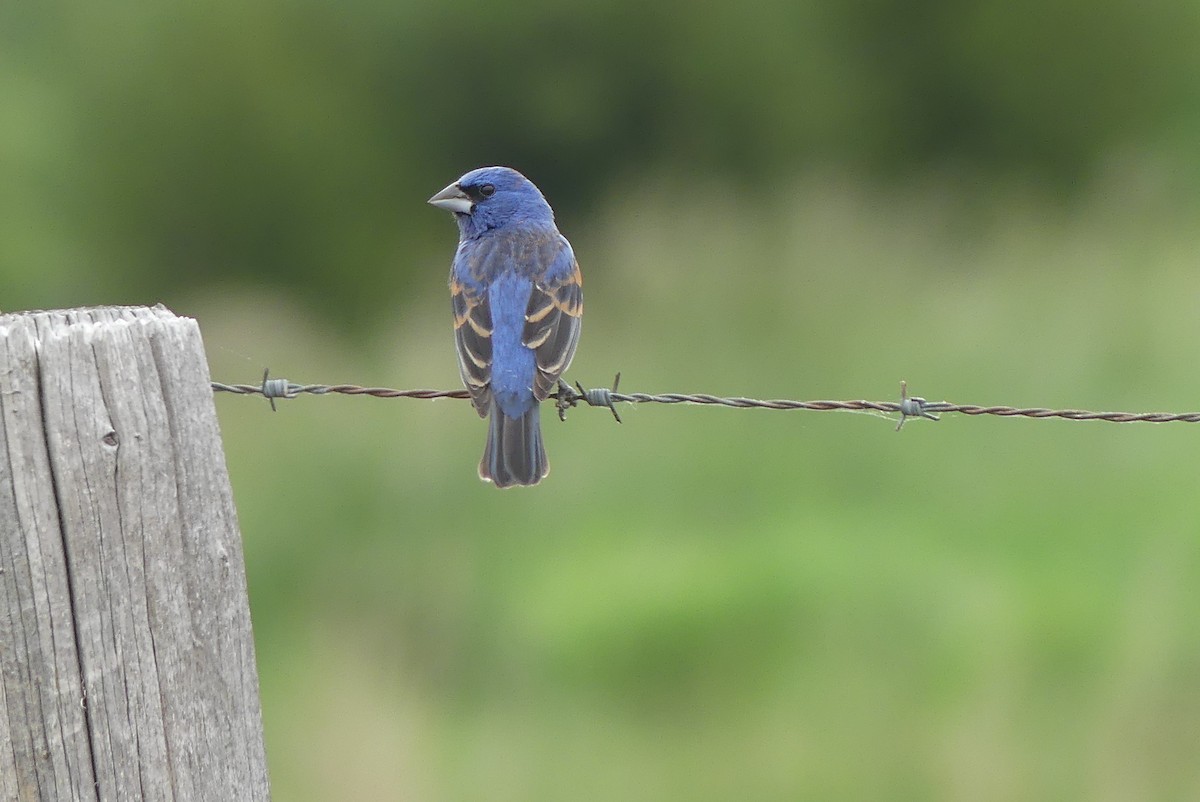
point(514, 454)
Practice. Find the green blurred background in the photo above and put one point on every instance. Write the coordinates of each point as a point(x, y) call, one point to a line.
point(995, 201)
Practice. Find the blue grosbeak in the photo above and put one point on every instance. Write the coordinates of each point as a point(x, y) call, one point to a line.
point(517, 298)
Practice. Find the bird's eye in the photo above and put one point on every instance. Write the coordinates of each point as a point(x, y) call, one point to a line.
point(487, 190)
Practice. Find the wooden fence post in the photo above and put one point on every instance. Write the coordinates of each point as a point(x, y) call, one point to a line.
point(126, 655)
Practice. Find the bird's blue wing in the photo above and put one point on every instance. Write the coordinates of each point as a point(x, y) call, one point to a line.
point(472, 327)
point(554, 314)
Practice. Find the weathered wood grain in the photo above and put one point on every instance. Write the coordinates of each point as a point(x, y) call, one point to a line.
point(126, 655)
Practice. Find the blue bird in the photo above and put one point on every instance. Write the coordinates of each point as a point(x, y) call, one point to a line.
point(517, 298)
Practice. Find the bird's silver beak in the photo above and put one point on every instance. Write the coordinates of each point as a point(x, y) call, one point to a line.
point(453, 199)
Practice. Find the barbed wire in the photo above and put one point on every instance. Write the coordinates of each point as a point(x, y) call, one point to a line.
point(567, 397)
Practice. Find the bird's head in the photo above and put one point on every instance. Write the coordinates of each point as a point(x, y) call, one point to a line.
point(493, 197)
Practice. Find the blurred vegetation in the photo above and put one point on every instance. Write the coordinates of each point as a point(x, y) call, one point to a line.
point(149, 148)
point(996, 202)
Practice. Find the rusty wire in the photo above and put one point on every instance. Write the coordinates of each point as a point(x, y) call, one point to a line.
point(567, 397)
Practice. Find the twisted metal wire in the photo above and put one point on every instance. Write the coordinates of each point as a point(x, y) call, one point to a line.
point(567, 397)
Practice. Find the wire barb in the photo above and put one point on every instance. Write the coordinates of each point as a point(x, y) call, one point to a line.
point(275, 388)
point(913, 406)
point(567, 397)
point(603, 396)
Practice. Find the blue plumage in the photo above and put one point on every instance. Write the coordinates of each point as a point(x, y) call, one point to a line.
point(517, 297)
